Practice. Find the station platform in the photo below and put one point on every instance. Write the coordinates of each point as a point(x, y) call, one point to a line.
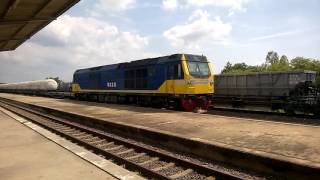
point(287, 141)
point(26, 154)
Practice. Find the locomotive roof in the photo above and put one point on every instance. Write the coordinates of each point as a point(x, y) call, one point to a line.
point(148, 61)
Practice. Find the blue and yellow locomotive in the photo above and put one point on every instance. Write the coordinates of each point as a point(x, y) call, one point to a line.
point(178, 81)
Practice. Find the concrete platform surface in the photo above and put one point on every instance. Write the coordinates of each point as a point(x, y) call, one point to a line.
point(25, 154)
point(295, 142)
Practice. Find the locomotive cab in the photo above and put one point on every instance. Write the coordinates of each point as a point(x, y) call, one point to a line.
point(198, 76)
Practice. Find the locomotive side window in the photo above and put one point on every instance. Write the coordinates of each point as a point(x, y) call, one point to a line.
point(151, 71)
point(177, 71)
point(94, 79)
point(136, 79)
point(170, 72)
point(141, 78)
point(129, 81)
point(174, 71)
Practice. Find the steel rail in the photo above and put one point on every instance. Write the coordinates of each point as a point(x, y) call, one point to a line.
point(298, 118)
point(46, 119)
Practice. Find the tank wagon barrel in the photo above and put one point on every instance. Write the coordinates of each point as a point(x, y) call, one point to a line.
point(39, 85)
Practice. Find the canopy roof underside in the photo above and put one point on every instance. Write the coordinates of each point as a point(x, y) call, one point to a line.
point(21, 19)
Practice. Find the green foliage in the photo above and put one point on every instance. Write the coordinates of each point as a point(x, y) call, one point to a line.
point(272, 57)
point(273, 63)
point(239, 68)
point(301, 63)
point(284, 59)
point(227, 68)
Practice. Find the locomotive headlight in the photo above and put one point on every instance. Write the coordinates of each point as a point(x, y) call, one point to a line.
point(211, 83)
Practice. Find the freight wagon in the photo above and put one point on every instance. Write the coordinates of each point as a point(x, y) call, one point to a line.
point(290, 90)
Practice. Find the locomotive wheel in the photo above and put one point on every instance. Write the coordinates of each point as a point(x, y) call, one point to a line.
point(205, 104)
point(188, 104)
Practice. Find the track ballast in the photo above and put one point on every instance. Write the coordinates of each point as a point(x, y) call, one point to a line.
point(147, 161)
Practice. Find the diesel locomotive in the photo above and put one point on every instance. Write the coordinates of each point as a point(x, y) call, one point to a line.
point(179, 81)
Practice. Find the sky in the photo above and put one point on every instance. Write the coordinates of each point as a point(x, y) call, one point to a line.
point(100, 32)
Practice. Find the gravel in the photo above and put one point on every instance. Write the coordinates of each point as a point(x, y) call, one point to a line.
point(215, 165)
point(191, 176)
point(171, 171)
point(310, 120)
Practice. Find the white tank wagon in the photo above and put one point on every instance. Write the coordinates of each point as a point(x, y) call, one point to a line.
point(39, 85)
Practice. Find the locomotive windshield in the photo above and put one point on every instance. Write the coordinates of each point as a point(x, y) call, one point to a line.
point(198, 69)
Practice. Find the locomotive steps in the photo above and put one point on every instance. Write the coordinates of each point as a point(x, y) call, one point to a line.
point(256, 161)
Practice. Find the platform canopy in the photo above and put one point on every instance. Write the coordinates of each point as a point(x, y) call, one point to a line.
point(21, 19)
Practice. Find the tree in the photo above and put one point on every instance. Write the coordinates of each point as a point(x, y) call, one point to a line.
point(227, 68)
point(280, 65)
point(238, 68)
point(301, 63)
point(284, 60)
point(272, 57)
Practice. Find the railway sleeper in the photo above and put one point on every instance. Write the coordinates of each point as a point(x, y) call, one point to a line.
point(135, 156)
point(169, 165)
point(113, 148)
point(149, 161)
point(125, 152)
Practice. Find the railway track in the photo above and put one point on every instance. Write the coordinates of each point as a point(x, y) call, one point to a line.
point(266, 115)
point(150, 163)
point(263, 115)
